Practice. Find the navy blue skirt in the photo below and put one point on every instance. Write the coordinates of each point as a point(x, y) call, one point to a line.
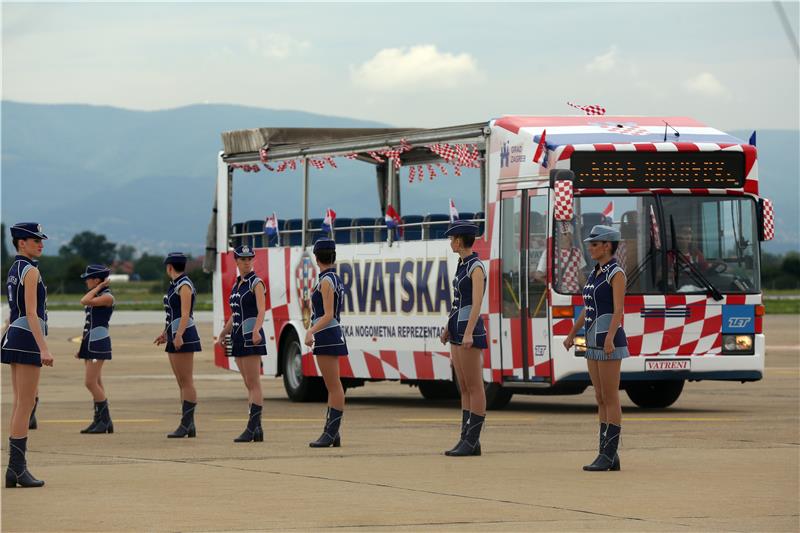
point(96, 345)
point(19, 345)
point(330, 341)
point(457, 324)
point(191, 340)
point(242, 343)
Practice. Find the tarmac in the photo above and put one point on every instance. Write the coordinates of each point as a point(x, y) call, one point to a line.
point(725, 457)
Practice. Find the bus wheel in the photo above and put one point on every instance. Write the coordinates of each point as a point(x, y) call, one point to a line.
point(299, 388)
point(654, 394)
point(496, 396)
point(438, 389)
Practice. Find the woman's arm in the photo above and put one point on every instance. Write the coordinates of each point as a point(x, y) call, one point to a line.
point(618, 288)
point(261, 304)
point(327, 304)
point(30, 282)
point(478, 281)
point(226, 330)
point(90, 299)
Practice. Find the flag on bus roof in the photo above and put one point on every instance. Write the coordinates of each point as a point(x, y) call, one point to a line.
point(752, 141)
point(608, 212)
point(327, 222)
point(271, 227)
point(453, 211)
point(393, 221)
point(540, 156)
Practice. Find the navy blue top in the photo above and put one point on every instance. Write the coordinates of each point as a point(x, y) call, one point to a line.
point(16, 294)
point(317, 305)
point(172, 300)
point(243, 300)
point(598, 299)
point(98, 316)
point(462, 282)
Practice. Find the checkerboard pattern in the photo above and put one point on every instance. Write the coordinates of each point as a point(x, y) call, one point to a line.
point(563, 200)
point(769, 220)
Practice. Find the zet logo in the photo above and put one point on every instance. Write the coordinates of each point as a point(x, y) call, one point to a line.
point(505, 155)
point(738, 322)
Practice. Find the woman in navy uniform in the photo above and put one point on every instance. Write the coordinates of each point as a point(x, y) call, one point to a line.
point(182, 340)
point(24, 347)
point(248, 305)
point(606, 344)
point(327, 338)
point(467, 335)
point(96, 343)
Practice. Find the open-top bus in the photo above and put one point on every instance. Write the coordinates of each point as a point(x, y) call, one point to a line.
point(683, 195)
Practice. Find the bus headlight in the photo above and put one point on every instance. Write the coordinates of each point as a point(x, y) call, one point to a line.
point(580, 346)
point(737, 344)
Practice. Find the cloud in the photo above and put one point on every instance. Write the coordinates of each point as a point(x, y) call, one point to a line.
point(705, 84)
point(276, 45)
point(418, 67)
point(603, 62)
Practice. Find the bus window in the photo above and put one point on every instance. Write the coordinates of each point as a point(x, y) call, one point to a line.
point(510, 257)
point(537, 253)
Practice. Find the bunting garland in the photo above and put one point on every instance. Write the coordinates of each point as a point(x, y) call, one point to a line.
point(456, 155)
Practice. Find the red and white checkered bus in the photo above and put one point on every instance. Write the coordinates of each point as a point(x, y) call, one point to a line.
point(684, 197)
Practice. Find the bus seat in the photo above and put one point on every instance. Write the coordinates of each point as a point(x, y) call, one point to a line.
point(590, 220)
point(628, 250)
point(480, 216)
point(257, 227)
point(466, 215)
point(412, 233)
point(311, 235)
point(380, 233)
point(361, 234)
point(435, 231)
point(292, 239)
point(237, 227)
point(343, 236)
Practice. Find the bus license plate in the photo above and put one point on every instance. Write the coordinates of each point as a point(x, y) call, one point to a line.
point(667, 364)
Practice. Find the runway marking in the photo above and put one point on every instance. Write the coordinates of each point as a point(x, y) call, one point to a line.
point(680, 419)
point(455, 419)
point(84, 420)
point(244, 419)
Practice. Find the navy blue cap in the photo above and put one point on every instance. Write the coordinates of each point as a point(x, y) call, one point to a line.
point(96, 271)
point(176, 258)
point(324, 244)
point(462, 227)
point(243, 251)
point(603, 234)
point(27, 230)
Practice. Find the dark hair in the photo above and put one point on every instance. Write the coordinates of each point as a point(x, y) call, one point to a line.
point(614, 246)
point(467, 240)
point(15, 241)
point(326, 257)
point(179, 267)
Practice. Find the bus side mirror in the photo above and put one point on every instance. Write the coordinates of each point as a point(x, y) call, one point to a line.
point(562, 206)
point(766, 222)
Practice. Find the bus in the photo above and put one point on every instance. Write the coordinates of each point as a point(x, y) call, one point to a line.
point(683, 195)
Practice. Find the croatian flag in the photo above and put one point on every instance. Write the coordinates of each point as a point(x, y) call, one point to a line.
point(541, 151)
point(393, 220)
point(327, 223)
point(271, 227)
point(608, 212)
point(453, 211)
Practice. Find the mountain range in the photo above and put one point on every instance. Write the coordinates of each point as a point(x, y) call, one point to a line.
point(146, 178)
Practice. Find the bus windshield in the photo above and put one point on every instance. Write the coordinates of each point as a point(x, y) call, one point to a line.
point(709, 243)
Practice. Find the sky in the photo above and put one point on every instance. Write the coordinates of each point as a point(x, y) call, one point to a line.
point(732, 66)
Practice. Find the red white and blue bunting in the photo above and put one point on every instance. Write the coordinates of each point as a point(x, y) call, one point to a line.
point(457, 155)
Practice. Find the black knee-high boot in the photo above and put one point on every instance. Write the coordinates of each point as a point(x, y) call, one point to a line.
point(464, 418)
point(32, 423)
point(602, 440)
point(102, 417)
point(608, 458)
point(253, 432)
point(470, 444)
point(17, 472)
point(186, 428)
point(330, 435)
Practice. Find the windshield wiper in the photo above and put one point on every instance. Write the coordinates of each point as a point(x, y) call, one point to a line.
point(698, 276)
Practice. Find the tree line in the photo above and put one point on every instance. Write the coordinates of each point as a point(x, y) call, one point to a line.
point(62, 271)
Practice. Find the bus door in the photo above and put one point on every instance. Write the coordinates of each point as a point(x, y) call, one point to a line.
point(523, 256)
